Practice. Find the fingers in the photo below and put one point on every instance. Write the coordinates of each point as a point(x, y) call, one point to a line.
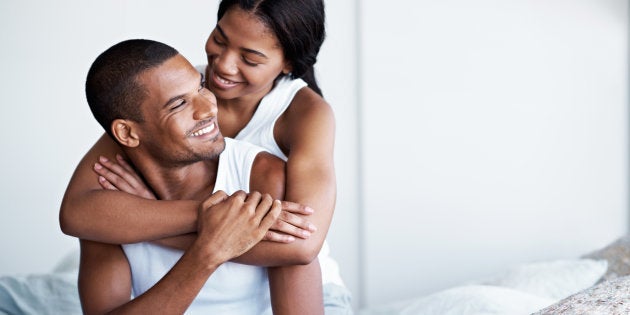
point(120, 173)
point(124, 164)
point(291, 224)
point(256, 203)
point(215, 199)
point(271, 216)
point(110, 177)
point(105, 183)
point(121, 176)
point(274, 236)
point(296, 208)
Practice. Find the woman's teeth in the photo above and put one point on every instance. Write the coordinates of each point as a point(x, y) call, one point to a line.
point(224, 81)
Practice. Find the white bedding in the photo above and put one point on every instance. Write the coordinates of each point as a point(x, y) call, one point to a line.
point(524, 289)
point(50, 293)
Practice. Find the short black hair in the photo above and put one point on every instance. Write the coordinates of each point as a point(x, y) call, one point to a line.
point(112, 89)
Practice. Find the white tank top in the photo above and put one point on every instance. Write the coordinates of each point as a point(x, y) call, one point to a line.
point(233, 288)
point(259, 131)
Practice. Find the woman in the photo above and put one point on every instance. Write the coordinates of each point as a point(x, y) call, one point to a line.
point(260, 59)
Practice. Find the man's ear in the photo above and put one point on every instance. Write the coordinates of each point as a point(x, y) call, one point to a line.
point(125, 132)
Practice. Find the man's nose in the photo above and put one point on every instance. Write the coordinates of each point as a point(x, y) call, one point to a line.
point(204, 107)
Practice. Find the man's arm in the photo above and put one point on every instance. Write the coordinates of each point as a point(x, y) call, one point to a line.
point(105, 278)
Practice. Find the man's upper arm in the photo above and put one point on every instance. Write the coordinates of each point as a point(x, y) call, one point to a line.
point(268, 175)
point(104, 277)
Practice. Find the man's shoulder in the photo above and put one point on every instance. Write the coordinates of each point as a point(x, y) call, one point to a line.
point(268, 174)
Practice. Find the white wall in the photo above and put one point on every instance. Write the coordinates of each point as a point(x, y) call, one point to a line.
point(493, 132)
point(47, 126)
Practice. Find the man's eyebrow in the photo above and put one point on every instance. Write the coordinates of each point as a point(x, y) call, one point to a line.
point(247, 50)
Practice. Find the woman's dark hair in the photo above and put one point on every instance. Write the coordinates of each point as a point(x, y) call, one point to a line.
point(298, 25)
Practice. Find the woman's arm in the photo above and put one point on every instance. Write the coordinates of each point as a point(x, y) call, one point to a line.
point(306, 131)
point(92, 213)
point(120, 217)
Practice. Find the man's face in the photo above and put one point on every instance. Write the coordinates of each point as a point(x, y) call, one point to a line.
point(180, 115)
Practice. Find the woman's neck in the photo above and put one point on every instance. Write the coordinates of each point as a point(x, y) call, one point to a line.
point(235, 114)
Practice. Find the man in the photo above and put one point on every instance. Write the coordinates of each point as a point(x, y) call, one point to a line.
point(152, 102)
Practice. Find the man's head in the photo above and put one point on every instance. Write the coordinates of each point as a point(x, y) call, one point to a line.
point(112, 88)
point(149, 97)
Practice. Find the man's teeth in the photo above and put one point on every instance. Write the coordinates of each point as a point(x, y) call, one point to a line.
point(203, 131)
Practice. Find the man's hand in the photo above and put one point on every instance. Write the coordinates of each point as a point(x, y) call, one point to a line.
point(234, 225)
point(288, 226)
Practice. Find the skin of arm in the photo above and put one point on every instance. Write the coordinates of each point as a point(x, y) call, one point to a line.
point(110, 216)
point(295, 289)
point(306, 130)
point(92, 213)
point(105, 277)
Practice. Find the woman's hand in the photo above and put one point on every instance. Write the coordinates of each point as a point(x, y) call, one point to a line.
point(291, 224)
point(121, 176)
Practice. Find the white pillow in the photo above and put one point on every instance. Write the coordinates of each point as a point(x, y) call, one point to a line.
point(467, 300)
point(554, 279)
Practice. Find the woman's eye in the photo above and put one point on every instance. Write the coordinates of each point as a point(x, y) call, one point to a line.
point(217, 41)
point(249, 63)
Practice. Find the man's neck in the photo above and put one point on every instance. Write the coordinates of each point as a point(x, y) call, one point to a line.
point(190, 182)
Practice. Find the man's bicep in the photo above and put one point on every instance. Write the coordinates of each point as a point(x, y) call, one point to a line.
point(268, 175)
point(104, 277)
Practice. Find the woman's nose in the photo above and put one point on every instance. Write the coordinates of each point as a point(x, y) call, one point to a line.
point(226, 63)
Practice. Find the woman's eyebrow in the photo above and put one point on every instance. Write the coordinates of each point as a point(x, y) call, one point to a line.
point(247, 50)
point(222, 32)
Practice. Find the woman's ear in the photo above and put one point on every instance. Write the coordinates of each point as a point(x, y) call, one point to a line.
point(125, 133)
point(287, 68)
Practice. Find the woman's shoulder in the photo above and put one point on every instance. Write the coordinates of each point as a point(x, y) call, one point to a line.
point(306, 104)
point(308, 117)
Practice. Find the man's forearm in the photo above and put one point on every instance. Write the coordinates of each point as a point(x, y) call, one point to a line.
point(174, 293)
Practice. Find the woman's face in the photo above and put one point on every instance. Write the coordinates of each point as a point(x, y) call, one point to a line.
point(244, 57)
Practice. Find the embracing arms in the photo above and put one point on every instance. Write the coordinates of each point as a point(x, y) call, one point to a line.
point(110, 216)
point(105, 277)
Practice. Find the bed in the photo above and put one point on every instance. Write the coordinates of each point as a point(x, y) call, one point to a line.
point(596, 283)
